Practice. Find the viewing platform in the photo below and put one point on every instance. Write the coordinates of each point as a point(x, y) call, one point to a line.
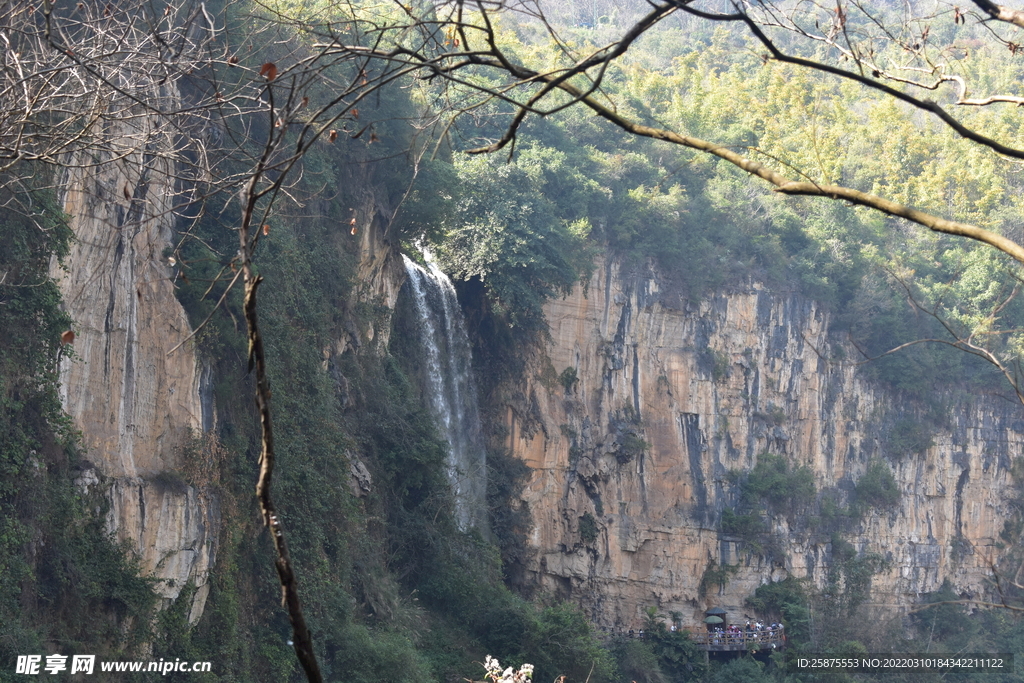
point(742, 641)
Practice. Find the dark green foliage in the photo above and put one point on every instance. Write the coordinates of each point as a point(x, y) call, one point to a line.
point(944, 617)
point(636, 661)
point(776, 482)
point(392, 589)
point(715, 576)
point(663, 656)
point(568, 379)
point(773, 485)
point(509, 516)
point(788, 602)
point(908, 437)
point(720, 365)
point(833, 515)
point(754, 531)
point(747, 527)
point(354, 600)
point(458, 583)
point(656, 203)
point(174, 635)
point(945, 621)
point(64, 579)
point(629, 431)
point(506, 230)
point(740, 670)
point(564, 643)
point(849, 577)
point(877, 488)
point(588, 528)
point(999, 630)
point(30, 413)
point(881, 319)
point(361, 615)
point(632, 445)
point(84, 571)
point(399, 438)
point(375, 656)
point(429, 203)
point(679, 658)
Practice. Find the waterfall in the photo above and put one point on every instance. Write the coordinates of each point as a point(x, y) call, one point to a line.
point(450, 389)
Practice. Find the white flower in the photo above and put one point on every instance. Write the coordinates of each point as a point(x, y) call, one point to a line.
point(494, 672)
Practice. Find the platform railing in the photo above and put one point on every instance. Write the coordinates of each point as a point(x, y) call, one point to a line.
point(744, 640)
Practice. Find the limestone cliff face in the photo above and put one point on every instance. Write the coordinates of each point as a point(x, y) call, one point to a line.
point(709, 387)
point(134, 400)
point(379, 271)
point(136, 388)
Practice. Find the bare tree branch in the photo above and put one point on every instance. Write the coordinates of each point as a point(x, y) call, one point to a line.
point(449, 62)
point(1001, 12)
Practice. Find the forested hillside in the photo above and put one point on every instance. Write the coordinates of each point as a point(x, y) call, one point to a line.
point(336, 165)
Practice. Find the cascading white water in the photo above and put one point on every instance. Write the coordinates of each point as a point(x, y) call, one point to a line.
point(450, 388)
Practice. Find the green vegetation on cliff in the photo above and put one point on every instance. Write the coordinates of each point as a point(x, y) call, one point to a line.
point(64, 583)
point(393, 589)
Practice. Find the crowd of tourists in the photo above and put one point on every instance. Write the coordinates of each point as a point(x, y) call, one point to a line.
point(753, 629)
point(750, 630)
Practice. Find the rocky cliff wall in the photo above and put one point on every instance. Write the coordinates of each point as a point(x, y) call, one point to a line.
point(136, 388)
point(136, 399)
point(709, 387)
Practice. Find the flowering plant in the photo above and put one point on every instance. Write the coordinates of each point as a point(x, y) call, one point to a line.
point(495, 674)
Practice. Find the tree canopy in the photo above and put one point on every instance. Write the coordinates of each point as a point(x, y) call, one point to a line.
point(791, 143)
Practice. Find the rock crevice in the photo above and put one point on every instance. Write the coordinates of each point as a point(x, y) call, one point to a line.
point(135, 401)
point(669, 405)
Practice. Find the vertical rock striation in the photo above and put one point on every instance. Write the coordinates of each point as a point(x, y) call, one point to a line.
point(134, 400)
point(670, 396)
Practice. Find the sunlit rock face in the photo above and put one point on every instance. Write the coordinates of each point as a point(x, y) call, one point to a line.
point(133, 396)
point(631, 460)
point(136, 388)
point(380, 272)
